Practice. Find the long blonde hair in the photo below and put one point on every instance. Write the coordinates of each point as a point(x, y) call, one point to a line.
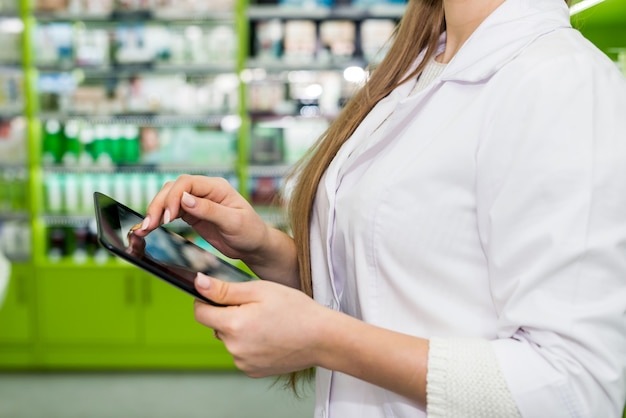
point(419, 29)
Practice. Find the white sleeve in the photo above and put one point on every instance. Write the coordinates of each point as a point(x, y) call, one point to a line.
point(552, 219)
point(464, 380)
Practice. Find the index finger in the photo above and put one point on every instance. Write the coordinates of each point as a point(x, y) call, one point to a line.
point(166, 205)
point(154, 212)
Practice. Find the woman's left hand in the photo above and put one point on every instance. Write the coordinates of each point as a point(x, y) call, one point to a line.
point(273, 329)
point(268, 328)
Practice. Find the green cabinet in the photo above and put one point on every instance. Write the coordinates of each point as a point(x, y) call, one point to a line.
point(168, 316)
point(115, 316)
point(117, 101)
point(87, 305)
point(170, 334)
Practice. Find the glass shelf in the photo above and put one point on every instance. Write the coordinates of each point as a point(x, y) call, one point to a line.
point(142, 120)
point(14, 216)
point(216, 171)
point(326, 13)
point(132, 70)
point(269, 170)
point(10, 113)
point(308, 65)
point(71, 221)
point(137, 16)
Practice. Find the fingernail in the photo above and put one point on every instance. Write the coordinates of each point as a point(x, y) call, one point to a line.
point(166, 217)
point(145, 223)
point(203, 281)
point(188, 200)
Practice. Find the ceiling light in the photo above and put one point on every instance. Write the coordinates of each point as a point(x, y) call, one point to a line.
point(583, 5)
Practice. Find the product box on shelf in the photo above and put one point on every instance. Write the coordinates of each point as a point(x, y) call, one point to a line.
point(9, 7)
point(300, 42)
point(338, 39)
point(76, 242)
point(81, 144)
point(53, 44)
point(13, 190)
point(15, 239)
point(10, 41)
point(51, 5)
point(61, 45)
point(376, 37)
point(11, 92)
point(144, 94)
point(13, 147)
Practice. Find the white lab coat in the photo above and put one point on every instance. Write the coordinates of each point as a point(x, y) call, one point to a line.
point(491, 205)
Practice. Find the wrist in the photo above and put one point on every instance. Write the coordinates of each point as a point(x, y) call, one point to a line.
point(334, 336)
point(274, 258)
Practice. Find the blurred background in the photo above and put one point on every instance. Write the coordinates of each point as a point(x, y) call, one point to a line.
point(120, 96)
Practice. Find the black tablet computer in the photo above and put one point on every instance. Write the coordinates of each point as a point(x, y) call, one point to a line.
point(164, 253)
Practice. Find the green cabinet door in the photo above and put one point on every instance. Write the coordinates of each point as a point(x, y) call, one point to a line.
point(168, 315)
point(17, 320)
point(171, 331)
point(87, 305)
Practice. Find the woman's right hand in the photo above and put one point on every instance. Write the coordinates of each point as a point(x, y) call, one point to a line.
point(220, 215)
point(214, 209)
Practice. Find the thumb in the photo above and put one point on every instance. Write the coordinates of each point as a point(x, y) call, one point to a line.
point(226, 293)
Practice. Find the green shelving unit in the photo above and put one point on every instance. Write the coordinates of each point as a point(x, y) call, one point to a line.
point(65, 311)
point(68, 309)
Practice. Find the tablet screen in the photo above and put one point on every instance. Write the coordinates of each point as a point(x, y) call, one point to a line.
point(162, 252)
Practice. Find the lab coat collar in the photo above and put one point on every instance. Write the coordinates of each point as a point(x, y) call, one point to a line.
point(503, 35)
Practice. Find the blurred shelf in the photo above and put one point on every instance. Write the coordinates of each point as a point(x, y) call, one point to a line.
point(10, 114)
point(109, 262)
point(165, 16)
point(272, 215)
point(207, 170)
point(11, 67)
point(70, 220)
point(13, 166)
point(283, 120)
point(308, 65)
point(19, 258)
point(269, 170)
point(14, 216)
point(131, 70)
point(323, 13)
point(142, 120)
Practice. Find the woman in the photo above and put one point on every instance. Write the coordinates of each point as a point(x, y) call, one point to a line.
point(461, 227)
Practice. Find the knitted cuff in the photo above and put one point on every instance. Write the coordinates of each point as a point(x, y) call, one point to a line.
point(464, 380)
